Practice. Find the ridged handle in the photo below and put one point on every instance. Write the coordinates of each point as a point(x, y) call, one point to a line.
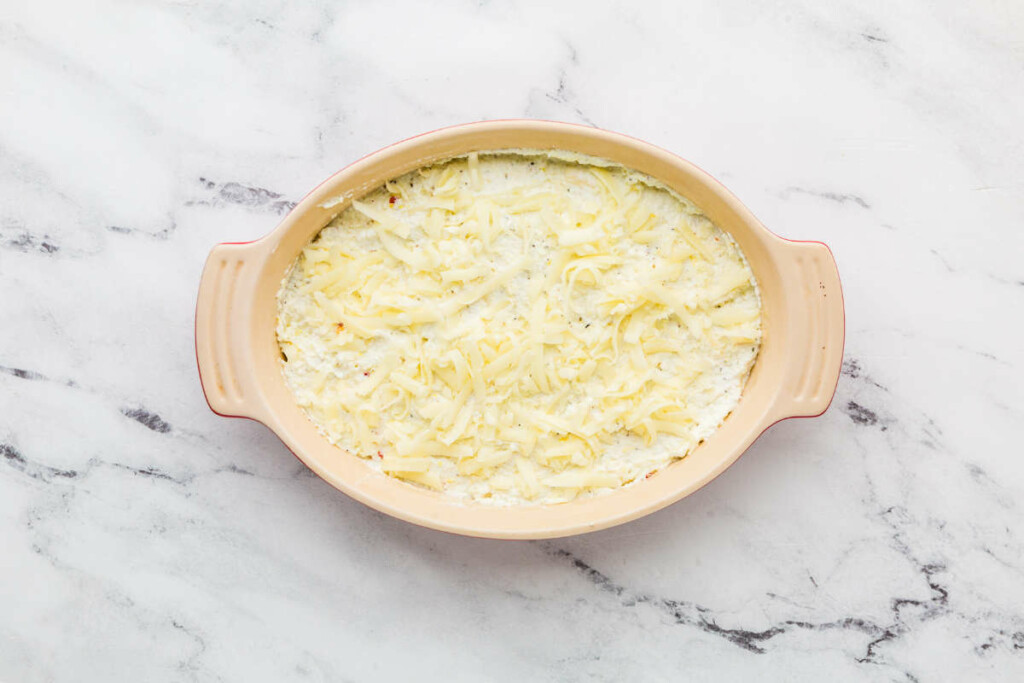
point(223, 324)
point(815, 330)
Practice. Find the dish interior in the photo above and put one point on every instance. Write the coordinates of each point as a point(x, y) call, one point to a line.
point(517, 328)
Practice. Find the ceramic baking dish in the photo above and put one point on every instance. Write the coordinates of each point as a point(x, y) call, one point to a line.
point(795, 374)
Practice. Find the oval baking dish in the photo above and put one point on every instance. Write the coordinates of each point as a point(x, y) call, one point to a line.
point(795, 373)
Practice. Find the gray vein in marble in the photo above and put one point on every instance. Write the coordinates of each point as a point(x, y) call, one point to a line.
point(22, 374)
point(983, 354)
point(1013, 640)
point(162, 234)
point(34, 470)
point(860, 414)
point(149, 472)
point(232, 193)
point(26, 241)
point(190, 664)
point(945, 264)
point(863, 416)
point(837, 197)
point(563, 95)
point(851, 368)
point(45, 473)
point(235, 469)
point(147, 419)
point(33, 376)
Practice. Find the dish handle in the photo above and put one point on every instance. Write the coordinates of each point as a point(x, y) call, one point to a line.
point(815, 330)
point(223, 323)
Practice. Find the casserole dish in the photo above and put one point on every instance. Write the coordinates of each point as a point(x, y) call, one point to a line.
point(795, 373)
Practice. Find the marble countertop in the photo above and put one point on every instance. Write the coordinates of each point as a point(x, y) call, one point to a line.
point(146, 539)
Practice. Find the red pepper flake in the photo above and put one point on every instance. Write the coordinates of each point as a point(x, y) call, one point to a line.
point(380, 455)
point(339, 327)
point(367, 373)
point(392, 199)
point(650, 474)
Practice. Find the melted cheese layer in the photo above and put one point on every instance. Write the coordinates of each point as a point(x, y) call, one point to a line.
point(513, 328)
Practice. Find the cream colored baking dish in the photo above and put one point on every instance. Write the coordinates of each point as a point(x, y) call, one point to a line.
point(795, 374)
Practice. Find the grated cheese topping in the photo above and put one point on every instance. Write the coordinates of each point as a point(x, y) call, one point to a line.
point(518, 328)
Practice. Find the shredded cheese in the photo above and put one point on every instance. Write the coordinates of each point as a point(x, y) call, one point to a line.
point(517, 328)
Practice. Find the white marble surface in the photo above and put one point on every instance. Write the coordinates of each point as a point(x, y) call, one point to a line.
point(143, 538)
